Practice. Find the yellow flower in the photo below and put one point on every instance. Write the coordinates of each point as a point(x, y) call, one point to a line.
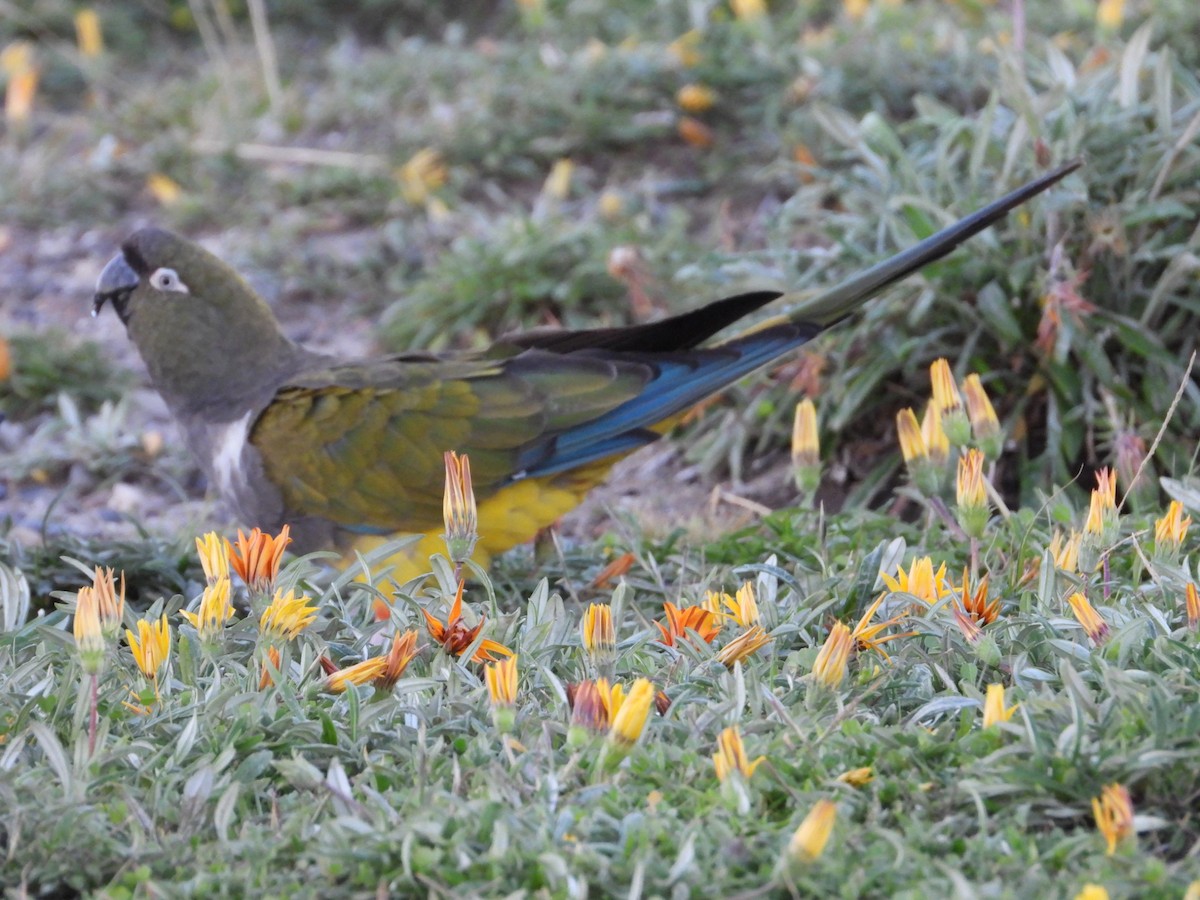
point(695, 98)
point(1114, 815)
point(1170, 531)
point(151, 646)
point(214, 556)
point(164, 188)
point(1193, 891)
point(691, 618)
point(829, 668)
point(89, 639)
point(17, 61)
point(742, 646)
point(214, 611)
point(920, 580)
point(256, 558)
point(972, 495)
point(1110, 14)
point(1102, 512)
point(912, 443)
point(110, 604)
point(286, 617)
point(731, 755)
point(937, 443)
point(856, 10)
point(984, 423)
point(1192, 604)
point(358, 674)
point(423, 174)
point(994, 710)
point(501, 678)
point(683, 48)
point(748, 10)
point(1066, 555)
point(458, 509)
point(629, 713)
point(1092, 892)
point(949, 404)
point(806, 447)
point(743, 608)
point(1093, 623)
point(857, 777)
point(88, 34)
point(456, 637)
point(404, 648)
point(598, 634)
point(809, 840)
point(558, 182)
point(866, 634)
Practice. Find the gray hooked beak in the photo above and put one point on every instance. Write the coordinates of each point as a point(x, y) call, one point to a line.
point(116, 283)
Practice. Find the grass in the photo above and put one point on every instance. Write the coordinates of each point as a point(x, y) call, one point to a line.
point(833, 141)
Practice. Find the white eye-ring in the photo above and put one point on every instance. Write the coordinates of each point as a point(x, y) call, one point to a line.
point(168, 280)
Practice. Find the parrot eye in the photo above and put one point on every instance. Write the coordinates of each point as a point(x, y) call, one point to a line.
point(168, 280)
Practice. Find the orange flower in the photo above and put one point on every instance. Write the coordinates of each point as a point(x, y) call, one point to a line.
point(110, 605)
point(358, 674)
point(1192, 603)
point(456, 637)
point(590, 701)
point(1093, 623)
point(459, 513)
point(256, 558)
point(679, 621)
point(265, 680)
point(976, 602)
point(746, 643)
point(1114, 815)
point(404, 648)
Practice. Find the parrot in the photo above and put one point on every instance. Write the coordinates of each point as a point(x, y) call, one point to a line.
point(350, 453)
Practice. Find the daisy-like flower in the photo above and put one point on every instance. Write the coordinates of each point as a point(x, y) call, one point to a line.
point(994, 710)
point(984, 423)
point(589, 701)
point(684, 49)
point(1192, 605)
point(748, 10)
point(88, 36)
point(949, 404)
point(1170, 532)
point(213, 551)
point(459, 513)
point(358, 674)
point(1093, 623)
point(1066, 553)
point(691, 618)
point(629, 712)
point(110, 604)
point(743, 608)
point(695, 98)
point(1114, 815)
point(857, 777)
point(924, 472)
point(920, 580)
point(89, 638)
point(1094, 891)
point(286, 617)
point(456, 637)
point(937, 443)
point(829, 668)
point(1102, 511)
point(748, 642)
point(214, 611)
point(972, 494)
point(151, 646)
point(806, 448)
point(403, 649)
point(866, 633)
point(423, 174)
point(731, 755)
point(809, 840)
point(256, 558)
point(266, 679)
point(501, 678)
point(599, 636)
point(975, 601)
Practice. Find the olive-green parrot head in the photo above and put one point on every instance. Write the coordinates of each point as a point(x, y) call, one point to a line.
point(203, 332)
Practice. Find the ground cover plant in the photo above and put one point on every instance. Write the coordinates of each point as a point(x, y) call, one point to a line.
point(937, 635)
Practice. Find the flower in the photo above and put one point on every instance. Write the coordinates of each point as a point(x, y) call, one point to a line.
point(589, 701)
point(501, 678)
point(743, 608)
point(970, 630)
point(19, 64)
point(742, 646)
point(458, 509)
point(695, 132)
point(1192, 604)
point(695, 98)
point(748, 10)
point(1110, 14)
point(88, 35)
point(856, 777)
point(456, 637)
point(731, 755)
point(809, 840)
point(1066, 555)
point(971, 494)
point(213, 612)
point(683, 48)
point(694, 618)
point(151, 646)
point(920, 580)
point(806, 448)
point(286, 617)
point(89, 638)
point(829, 668)
point(1092, 891)
point(266, 680)
point(924, 472)
point(110, 605)
point(256, 558)
point(1092, 622)
point(214, 556)
point(866, 634)
point(948, 402)
point(404, 648)
point(994, 710)
point(421, 175)
point(358, 674)
point(629, 712)
point(976, 601)
point(937, 443)
point(1102, 512)
point(1170, 531)
point(599, 636)
point(984, 423)
point(1114, 815)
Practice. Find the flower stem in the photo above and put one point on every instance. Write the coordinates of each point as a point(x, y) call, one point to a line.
point(94, 715)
